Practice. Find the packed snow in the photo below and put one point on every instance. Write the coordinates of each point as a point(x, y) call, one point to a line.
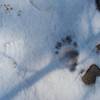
point(29, 31)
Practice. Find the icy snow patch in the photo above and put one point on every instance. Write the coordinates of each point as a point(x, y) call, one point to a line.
point(28, 35)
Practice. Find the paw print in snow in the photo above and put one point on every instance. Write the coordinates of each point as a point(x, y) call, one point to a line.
point(67, 50)
point(8, 8)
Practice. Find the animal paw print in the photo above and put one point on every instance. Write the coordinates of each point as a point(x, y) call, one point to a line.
point(7, 8)
point(67, 48)
point(65, 42)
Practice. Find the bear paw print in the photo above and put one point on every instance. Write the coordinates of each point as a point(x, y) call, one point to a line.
point(67, 50)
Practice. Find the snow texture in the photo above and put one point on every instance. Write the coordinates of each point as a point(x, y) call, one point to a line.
point(29, 31)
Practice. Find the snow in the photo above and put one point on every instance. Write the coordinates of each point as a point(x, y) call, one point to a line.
point(29, 31)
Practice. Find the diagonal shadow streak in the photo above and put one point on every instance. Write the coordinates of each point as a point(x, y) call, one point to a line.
point(30, 81)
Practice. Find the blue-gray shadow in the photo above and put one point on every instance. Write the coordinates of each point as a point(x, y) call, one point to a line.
point(29, 81)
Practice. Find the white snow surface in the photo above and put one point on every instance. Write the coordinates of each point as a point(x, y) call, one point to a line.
point(29, 30)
